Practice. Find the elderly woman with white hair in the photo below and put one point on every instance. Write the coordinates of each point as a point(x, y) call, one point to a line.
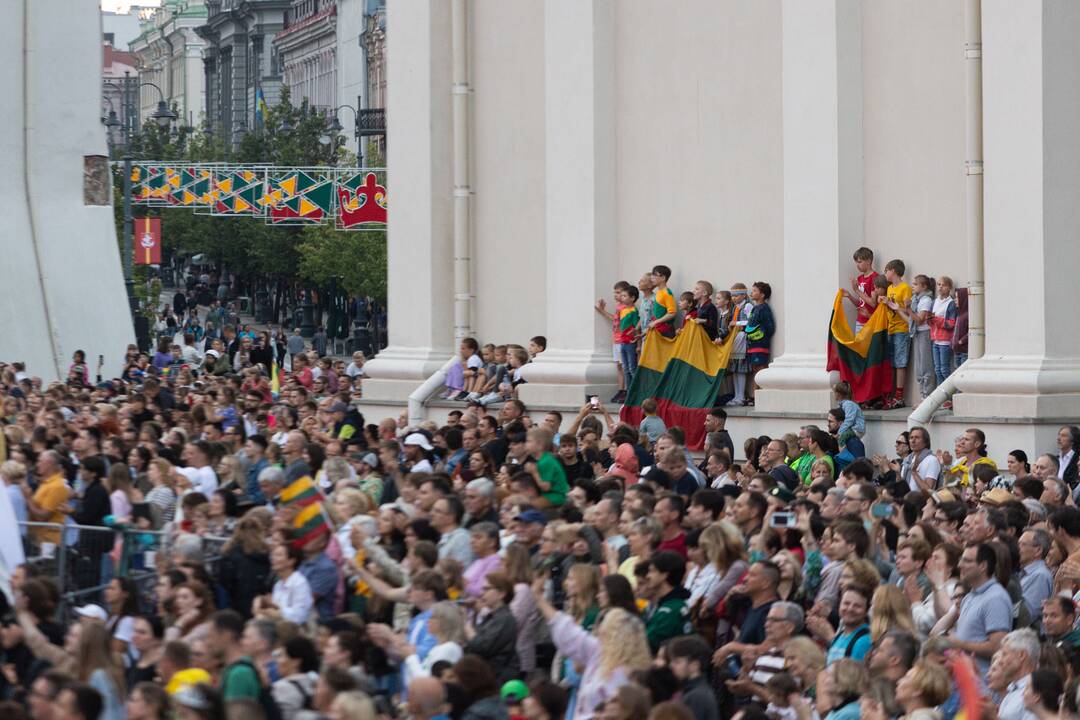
point(447, 624)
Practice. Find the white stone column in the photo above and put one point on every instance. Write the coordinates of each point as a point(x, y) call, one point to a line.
point(1031, 119)
point(419, 246)
point(579, 89)
point(823, 192)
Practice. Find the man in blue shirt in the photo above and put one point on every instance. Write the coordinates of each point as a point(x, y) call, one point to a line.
point(255, 449)
point(322, 575)
point(986, 611)
point(1036, 580)
point(852, 639)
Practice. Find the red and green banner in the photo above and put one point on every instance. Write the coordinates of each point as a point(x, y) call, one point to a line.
point(862, 359)
point(351, 198)
point(361, 200)
point(684, 375)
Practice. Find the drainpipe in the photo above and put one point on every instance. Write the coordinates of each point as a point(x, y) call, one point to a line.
point(973, 210)
point(973, 168)
point(463, 294)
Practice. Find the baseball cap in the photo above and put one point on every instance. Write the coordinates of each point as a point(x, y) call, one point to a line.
point(94, 612)
point(782, 493)
point(532, 516)
point(399, 506)
point(514, 690)
point(365, 457)
point(339, 407)
point(418, 439)
point(186, 679)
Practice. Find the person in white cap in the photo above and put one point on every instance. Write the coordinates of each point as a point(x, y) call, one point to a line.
point(417, 447)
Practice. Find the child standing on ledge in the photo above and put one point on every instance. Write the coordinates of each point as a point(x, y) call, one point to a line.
point(759, 331)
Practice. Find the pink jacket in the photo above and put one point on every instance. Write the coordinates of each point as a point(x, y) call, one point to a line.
point(583, 648)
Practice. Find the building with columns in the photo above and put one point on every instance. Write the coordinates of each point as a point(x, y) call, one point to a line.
point(239, 61)
point(544, 150)
point(307, 46)
point(168, 52)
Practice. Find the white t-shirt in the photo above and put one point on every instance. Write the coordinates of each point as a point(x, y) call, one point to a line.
point(203, 480)
point(941, 309)
point(293, 597)
point(923, 303)
point(929, 469)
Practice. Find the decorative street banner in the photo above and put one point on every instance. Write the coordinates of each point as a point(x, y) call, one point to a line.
point(684, 375)
point(862, 359)
point(298, 197)
point(147, 245)
point(354, 198)
point(361, 200)
point(239, 191)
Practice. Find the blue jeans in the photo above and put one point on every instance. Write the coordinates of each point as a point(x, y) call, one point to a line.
point(628, 359)
point(942, 362)
point(958, 360)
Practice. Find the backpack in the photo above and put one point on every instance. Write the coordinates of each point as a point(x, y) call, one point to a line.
point(861, 632)
point(303, 693)
point(270, 708)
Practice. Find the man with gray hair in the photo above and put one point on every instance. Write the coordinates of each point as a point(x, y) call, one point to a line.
point(271, 481)
point(187, 548)
point(783, 621)
point(1036, 580)
point(1020, 657)
point(480, 502)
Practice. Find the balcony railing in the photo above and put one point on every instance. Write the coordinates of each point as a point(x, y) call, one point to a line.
point(371, 121)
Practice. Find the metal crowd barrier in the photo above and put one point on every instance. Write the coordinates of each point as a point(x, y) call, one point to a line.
point(88, 557)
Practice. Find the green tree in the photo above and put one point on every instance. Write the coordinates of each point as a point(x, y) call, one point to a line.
point(354, 261)
point(292, 136)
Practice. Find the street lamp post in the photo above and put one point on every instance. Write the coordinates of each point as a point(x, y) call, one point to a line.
point(163, 116)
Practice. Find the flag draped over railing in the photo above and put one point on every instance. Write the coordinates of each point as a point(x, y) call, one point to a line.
point(862, 359)
point(684, 375)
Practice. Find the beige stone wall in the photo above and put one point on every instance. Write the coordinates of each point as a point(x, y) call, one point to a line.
point(913, 92)
point(509, 263)
point(700, 159)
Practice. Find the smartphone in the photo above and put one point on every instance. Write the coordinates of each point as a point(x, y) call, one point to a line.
point(594, 400)
point(782, 520)
point(881, 510)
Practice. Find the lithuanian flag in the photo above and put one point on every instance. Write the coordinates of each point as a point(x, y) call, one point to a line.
point(683, 374)
point(310, 520)
point(862, 360)
point(275, 380)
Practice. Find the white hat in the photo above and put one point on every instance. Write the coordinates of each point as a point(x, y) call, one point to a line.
point(95, 612)
point(418, 439)
point(213, 353)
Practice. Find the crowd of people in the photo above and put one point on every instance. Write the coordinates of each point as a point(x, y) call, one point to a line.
point(241, 547)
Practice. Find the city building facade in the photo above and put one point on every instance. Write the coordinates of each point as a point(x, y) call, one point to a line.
point(169, 55)
point(240, 63)
point(120, 112)
point(307, 46)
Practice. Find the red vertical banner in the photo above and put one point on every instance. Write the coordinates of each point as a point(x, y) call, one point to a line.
point(147, 241)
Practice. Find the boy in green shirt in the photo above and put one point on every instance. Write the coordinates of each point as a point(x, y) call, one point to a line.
point(663, 304)
point(546, 469)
